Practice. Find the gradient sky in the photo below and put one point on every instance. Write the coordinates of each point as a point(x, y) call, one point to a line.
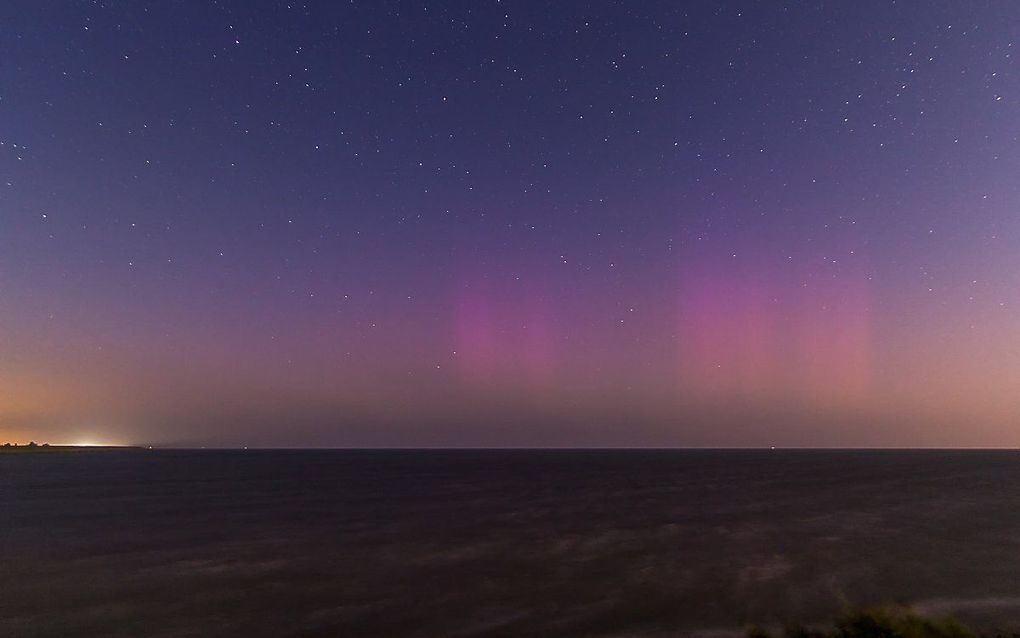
point(510, 223)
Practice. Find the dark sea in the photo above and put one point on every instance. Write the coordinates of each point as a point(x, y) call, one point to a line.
point(500, 543)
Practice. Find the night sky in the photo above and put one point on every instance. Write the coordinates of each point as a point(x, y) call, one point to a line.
point(510, 223)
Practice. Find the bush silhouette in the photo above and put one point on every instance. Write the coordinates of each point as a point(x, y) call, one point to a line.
point(882, 622)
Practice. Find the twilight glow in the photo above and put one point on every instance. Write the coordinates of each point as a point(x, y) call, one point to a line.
point(510, 224)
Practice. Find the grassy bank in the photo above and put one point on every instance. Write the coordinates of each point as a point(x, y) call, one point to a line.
point(884, 622)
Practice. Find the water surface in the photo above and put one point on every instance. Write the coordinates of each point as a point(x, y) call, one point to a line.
point(499, 543)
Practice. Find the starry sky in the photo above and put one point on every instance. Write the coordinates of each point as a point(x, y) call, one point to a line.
point(499, 223)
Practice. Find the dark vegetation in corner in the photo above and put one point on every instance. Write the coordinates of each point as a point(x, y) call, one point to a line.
point(882, 622)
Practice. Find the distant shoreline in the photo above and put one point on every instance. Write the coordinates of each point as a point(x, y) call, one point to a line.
point(65, 449)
